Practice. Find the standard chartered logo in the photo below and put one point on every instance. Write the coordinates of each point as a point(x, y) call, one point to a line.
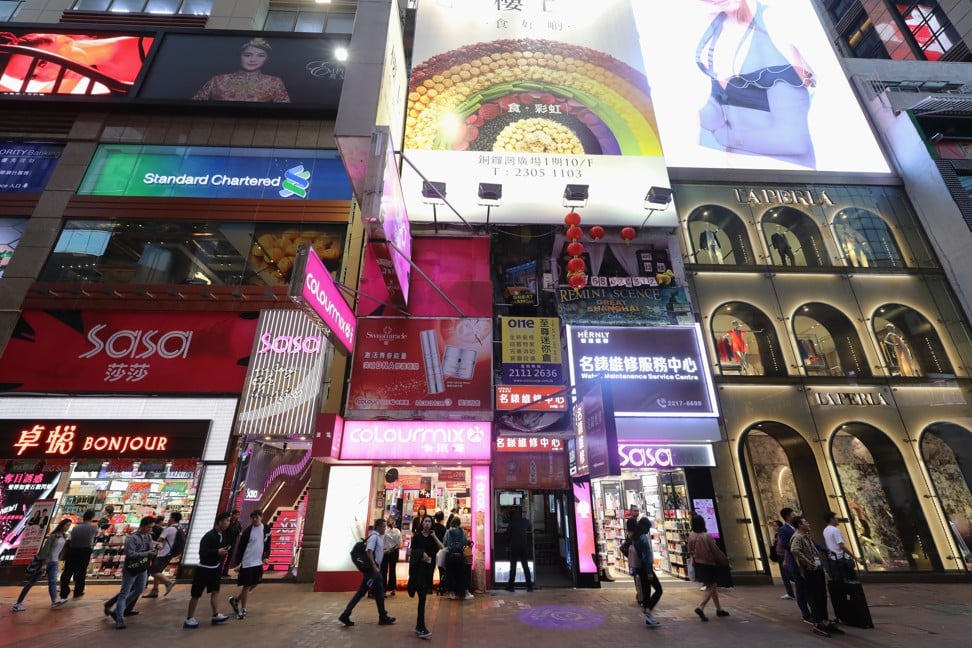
point(296, 182)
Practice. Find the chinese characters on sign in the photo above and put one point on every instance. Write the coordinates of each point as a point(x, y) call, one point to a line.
point(531, 350)
point(541, 398)
point(520, 444)
point(30, 439)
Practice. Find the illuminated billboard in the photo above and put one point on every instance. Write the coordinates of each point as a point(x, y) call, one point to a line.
point(532, 95)
point(752, 84)
point(77, 64)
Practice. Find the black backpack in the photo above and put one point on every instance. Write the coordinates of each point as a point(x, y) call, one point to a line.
point(179, 544)
point(359, 556)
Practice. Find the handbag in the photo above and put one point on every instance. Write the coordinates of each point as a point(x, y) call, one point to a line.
point(467, 555)
point(634, 560)
point(440, 558)
point(136, 565)
point(35, 565)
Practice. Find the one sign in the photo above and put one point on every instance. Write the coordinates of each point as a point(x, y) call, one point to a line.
point(215, 172)
point(416, 440)
point(422, 365)
point(531, 351)
point(131, 352)
point(651, 371)
point(94, 438)
point(723, 112)
point(635, 456)
point(626, 306)
point(312, 288)
point(529, 444)
point(283, 379)
point(600, 432)
point(536, 398)
point(532, 95)
point(256, 67)
point(32, 529)
point(386, 219)
point(59, 62)
point(25, 167)
point(531, 470)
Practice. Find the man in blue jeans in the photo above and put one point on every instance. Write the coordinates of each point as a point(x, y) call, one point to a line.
point(789, 569)
point(139, 550)
point(373, 581)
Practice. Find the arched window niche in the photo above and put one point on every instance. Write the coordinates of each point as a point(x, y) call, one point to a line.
point(909, 343)
point(793, 238)
point(719, 237)
point(828, 342)
point(745, 341)
point(865, 240)
point(947, 451)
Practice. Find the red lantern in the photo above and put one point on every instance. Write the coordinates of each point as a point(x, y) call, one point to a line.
point(628, 234)
point(576, 265)
point(572, 219)
point(596, 233)
point(574, 233)
point(577, 281)
point(575, 249)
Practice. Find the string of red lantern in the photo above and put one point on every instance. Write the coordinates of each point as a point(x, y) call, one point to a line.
point(576, 267)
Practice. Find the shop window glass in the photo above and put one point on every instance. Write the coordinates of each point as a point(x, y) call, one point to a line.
point(280, 21)
point(746, 341)
point(8, 8)
point(929, 26)
point(92, 5)
point(196, 7)
point(127, 6)
point(718, 237)
point(865, 240)
point(793, 239)
point(947, 451)
point(337, 24)
point(310, 22)
point(200, 253)
point(162, 6)
point(11, 229)
point(828, 342)
point(910, 344)
point(884, 510)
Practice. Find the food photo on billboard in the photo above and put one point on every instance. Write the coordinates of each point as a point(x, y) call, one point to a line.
point(264, 68)
point(72, 63)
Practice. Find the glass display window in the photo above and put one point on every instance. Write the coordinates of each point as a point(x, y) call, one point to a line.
point(946, 449)
point(910, 344)
point(865, 240)
point(745, 341)
point(719, 237)
point(828, 342)
point(793, 238)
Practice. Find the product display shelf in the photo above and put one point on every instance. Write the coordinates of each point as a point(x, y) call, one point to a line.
point(677, 529)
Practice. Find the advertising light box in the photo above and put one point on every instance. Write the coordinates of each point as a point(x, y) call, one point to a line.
point(216, 172)
point(658, 371)
point(58, 62)
point(25, 167)
point(532, 95)
point(752, 84)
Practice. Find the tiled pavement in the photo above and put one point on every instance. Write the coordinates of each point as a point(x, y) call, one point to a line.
point(289, 615)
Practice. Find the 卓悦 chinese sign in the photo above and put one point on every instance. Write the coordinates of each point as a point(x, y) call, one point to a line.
point(84, 438)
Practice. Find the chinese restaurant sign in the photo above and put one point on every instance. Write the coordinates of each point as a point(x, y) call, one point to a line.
point(531, 351)
point(25, 167)
point(85, 438)
point(626, 306)
point(132, 352)
point(215, 172)
point(532, 95)
point(421, 365)
point(657, 371)
point(416, 440)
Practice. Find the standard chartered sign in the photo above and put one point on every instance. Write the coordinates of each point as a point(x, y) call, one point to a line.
point(294, 182)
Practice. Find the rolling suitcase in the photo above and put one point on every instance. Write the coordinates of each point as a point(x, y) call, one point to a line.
point(850, 603)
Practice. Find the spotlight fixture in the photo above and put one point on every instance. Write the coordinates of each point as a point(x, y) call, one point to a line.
point(575, 195)
point(657, 199)
point(936, 138)
point(434, 193)
point(490, 194)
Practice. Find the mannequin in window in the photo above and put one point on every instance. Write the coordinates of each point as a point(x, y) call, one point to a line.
point(738, 346)
point(899, 352)
point(709, 241)
point(778, 241)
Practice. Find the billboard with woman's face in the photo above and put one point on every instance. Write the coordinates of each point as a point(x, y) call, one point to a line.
point(751, 84)
point(252, 68)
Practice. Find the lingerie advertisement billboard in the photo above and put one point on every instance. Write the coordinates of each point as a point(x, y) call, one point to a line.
point(441, 366)
point(129, 352)
point(531, 95)
point(752, 84)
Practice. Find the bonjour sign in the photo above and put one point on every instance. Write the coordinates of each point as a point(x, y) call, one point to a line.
point(85, 438)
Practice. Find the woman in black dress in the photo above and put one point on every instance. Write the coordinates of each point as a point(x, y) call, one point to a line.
point(421, 559)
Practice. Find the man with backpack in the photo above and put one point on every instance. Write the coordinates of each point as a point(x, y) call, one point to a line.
point(173, 542)
point(370, 577)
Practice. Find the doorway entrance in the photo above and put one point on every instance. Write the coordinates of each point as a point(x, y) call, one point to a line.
point(551, 553)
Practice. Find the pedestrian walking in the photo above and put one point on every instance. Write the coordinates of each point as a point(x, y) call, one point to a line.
point(791, 571)
point(80, 544)
point(810, 564)
point(230, 536)
point(47, 562)
point(213, 550)
point(645, 571)
point(140, 550)
point(421, 560)
point(252, 553)
point(455, 541)
point(375, 550)
point(518, 546)
point(169, 548)
point(707, 558)
point(777, 553)
point(389, 565)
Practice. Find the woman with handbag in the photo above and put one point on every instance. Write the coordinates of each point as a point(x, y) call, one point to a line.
point(45, 561)
point(455, 542)
point(421, 560)
point(708, 559)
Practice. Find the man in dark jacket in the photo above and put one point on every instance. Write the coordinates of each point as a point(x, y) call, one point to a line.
point(252, 553)
point(213, 550)
point(231, 535)
point(516, 541)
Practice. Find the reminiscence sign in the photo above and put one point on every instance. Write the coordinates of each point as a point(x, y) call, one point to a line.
point(650, 371)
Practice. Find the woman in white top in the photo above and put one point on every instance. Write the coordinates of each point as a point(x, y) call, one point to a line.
point(49, 553)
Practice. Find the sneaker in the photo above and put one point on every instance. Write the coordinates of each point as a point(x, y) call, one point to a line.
point(809, 621)
point(833, 629)
point(452, 596)
point(722, 613)
point(386, 621)
point(168, 587)
point(390, 594)
point(190, 623)
point(786, 597)
point(346, 620)
point(120, 625)
point(651, 621)
point(154, 594)
point(235, 604)
point(219, 618)
point(821, 630)
point(701, 614)
point(107, 609)
point(18, 607)
point(423, 634)
point(469, 596)
point(241, 614)
point(58, 603)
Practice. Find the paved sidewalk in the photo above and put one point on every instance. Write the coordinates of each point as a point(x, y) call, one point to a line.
point(292, 616)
